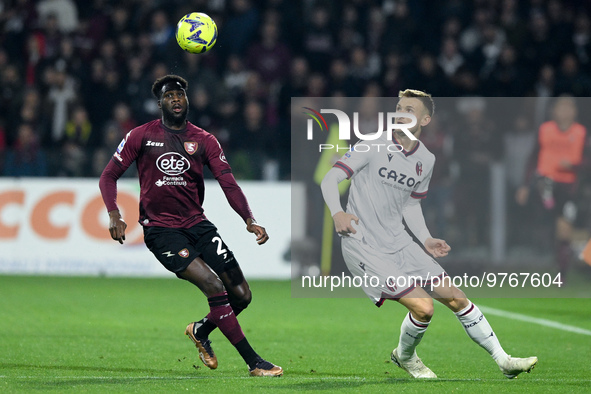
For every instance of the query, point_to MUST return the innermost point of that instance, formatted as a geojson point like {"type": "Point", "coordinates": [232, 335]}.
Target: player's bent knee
{"type": "Point", "coordinates": [426, 314]}
{"type": "Point", "coordinates": [211, 285]}
{"type": "Point", "coordinates": [207, 281]}
{"type": "Point", "coordinates": [243, 300]}
{"type": "Point", "coordinates": [423, 311]}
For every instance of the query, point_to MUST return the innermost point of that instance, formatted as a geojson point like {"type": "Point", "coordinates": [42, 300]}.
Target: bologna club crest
{"type": "Point", "coordinates": [190, 147]}
{"type": "Point", "coordinates": [419, 168]}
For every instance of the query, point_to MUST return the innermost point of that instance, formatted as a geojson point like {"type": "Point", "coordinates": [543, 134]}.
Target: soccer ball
{"type": "Point", "coordinates": [196, 32]}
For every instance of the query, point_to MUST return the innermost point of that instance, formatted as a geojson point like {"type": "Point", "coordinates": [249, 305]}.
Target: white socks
{"type": "Point", "coordinates": [474, 323]}
{"type": "Point", "coordinates": [478, 328]}
{"type": "Point", "coordinates": [411, 333]}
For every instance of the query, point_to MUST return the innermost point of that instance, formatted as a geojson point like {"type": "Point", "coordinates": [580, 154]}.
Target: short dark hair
{"type": "Point", "coordinates": [425, 98]}
{"type": "Point", "coordinates": [160, 82]}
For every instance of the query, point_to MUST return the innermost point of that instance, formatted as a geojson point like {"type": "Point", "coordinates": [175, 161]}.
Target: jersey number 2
{"type": "Point", "coordinates": [220, 249]}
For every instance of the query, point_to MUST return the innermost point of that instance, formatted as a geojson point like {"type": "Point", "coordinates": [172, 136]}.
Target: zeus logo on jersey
{"type": "Point", "coordinates": [154, 143]}
{"type": "Point", "coordinates": [172, 163]}
{"type": "Point", "coordinates": [401, 178]}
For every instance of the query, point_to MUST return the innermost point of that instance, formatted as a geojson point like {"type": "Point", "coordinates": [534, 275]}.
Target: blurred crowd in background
{"type": "Point", "coordinates": [75, 76]}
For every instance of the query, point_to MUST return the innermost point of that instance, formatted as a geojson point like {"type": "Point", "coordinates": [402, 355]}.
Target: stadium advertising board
{"type": "Point", "coordinates": [60, 226]}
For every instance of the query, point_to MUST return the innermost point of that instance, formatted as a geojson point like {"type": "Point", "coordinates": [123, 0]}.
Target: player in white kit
{"type": "Point", "coordinates": [387, 183]}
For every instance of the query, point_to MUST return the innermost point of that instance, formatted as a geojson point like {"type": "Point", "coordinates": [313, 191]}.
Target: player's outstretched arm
{"type": "Point", "coordinates": [259, 231]}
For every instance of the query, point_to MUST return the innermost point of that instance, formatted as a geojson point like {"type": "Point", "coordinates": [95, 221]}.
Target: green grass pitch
{"type": "Point", "coordinates": [71, 334]}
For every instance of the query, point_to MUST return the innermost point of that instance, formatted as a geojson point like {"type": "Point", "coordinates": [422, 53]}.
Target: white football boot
{"type": "Point", "coordinates": [514, 366]}
{"type": "Point", "coordinates": [414, 366]}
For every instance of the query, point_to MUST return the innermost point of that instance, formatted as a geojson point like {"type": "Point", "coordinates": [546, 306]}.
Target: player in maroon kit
{"type": "Point", "coordinates": [170, 154]}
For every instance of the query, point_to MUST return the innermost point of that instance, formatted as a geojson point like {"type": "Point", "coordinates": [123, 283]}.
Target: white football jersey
{"type": "Point", "coordinates": [383, 178]}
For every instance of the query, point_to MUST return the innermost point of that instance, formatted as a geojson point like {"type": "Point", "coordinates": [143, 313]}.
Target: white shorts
{"type": "Point", "coordinates": [398, 273]}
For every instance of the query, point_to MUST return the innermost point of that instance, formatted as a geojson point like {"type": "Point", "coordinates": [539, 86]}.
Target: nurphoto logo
{"type": "Point", "coordinates": [345, 124]}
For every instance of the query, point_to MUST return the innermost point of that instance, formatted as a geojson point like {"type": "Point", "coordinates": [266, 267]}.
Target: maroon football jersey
{"type": "Point", "coordinates": [170, 168]}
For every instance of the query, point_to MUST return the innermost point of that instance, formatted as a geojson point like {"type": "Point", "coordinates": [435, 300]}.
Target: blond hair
{"type": "Point", "coordinates": [425, 98]}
